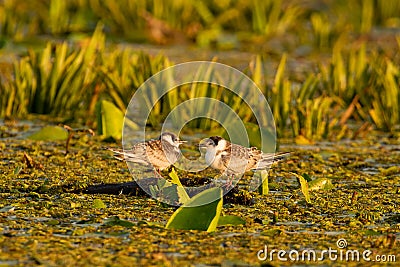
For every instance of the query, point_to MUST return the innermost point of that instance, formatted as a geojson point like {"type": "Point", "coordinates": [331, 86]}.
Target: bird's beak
{"type": "Point", "coordinates": [202, 146]}
{"type": "Point", "coordinates": [181, 142]}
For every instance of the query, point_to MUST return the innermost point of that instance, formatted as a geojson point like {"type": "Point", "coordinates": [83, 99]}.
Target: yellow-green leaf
{"type": "Point", "coordinates": [98, 204]}
{"type": "Point", "coordinates": [183, 196]}
{"type": "Point", "coordinates": [264, 184]}
{"type": "Point", "coordinates": [50, 133]}
{"type": "Point", "coordinates": [230, 220]}
{"type": "Point", "coordinates": [201, 212]}
{"type": "Point", "coordinates": [304, 186]}
{"type": "Point", "coordinates": [111, 120]}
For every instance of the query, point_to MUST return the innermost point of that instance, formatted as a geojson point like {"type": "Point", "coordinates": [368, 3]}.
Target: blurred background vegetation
{"type": "Point", "coordinates": [329, 68]}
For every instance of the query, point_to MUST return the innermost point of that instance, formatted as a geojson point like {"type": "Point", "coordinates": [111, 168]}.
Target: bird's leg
{"type": "Point", "coordinates": [229, 181]}
{"type": "Point", "coordinates": [157, 172]}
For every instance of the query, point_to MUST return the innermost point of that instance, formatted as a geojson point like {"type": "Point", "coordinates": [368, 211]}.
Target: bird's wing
{"type": "Point", "coordinates": [255, 155]}
{"type": "Point", "coordinates": [156, 153]}
{"type": "Point", "coordinates": [236, 159]}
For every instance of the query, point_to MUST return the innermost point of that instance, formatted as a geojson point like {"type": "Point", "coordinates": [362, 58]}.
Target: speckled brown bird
{"type": "Point", "coordinates": [161, 153]}
{"type": "Point", "coordinates": [233, 159]}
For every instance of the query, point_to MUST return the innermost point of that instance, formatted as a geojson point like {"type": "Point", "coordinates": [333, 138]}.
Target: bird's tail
{"type": "Point", "coordinates": [127, 155]}
{"type": "Point", "coordinates": [118, 153]}
{"type": "Point", "coordinates": [269, 158]}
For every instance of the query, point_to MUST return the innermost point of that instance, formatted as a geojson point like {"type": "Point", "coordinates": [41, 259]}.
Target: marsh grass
{"type": "Point", "coordinates": [355, 85]}
{"type": "Point", "coordinates": [62, 81]}
{"type": "Point", "coordinates": [56, 80]}
{"type": "Point", "coordinates": [372, 78]}
{"type": "Point", "coordinates": [202, 22]}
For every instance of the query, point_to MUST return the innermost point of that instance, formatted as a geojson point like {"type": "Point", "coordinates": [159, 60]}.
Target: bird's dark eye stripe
{"type": "Point", "coordinates": [215, 139]}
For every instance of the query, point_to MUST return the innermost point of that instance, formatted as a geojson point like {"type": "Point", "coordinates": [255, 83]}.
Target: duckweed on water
{"type": "Point", "coordinates": [43, 223]}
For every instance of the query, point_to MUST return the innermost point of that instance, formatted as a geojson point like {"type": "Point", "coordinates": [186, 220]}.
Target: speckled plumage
{"type": "Point", "coordinates": [235, 159]}
{"type": "Point", "coordinates": [160, 153]}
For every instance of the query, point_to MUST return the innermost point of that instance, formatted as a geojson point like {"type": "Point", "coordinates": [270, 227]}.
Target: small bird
{"type": "Point", "coordinates": [161, 153]}
{"type": "Point", "coordinates": [233, 159]}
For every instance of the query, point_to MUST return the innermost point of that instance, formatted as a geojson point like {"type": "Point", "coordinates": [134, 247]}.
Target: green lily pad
{"type": "Point", "coordinates": [201, 212]}
{"type": "Point", "coordinates": [50, 133]}
{"type": "Point", "coordinates": [230, 220]}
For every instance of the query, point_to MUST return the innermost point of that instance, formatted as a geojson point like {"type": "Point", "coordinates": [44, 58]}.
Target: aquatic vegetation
{"type": "Point", "coordinates": [275, 17]}
{"type": "Point", "coordinates": [122, 71]}
{"type": "Point", "coordinates": [110, 120]}
{"type": "Point", "coordinates": [368, 82]}
{"type": "Point", "coordinates": [56, 80]}
{"type": "Point", "coordinates": [219, 23]}
{"type": "Point", "coordinates": [50, 133]}
{"type": "Point", "coordinates": [68, 203]}
{"type": "Point", "coordinates": [357, 84]}
{"type": "Point", "coordinates": [67, 82]}
{"type": "Point", "coordinates": [39, 210]}
{"type": "Point", "coordinates": [201, 212]}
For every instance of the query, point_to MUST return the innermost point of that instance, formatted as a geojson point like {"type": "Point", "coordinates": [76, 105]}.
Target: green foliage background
{"type": "Point", "coordinates": [353, 83]}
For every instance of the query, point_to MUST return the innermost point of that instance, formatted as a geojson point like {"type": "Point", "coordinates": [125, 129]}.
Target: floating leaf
{"type": "Point", "coordinates": [304, 186]}
{"type": "Point", "coordinates": [183, 196]}
{"type": "Point", "coordinates": [230, 220]}
{"type": "Point", "coordinates": [98, 204]}
{"type": "Point", "coordinates": [264, 183]}
{"type": "Point", "coordinates": [115, 220]}
{"type": "Point", "coordinates": [271, 232]}
{"type": "Point", "coordinates": [53, 222]}
{"type": "Point", "coordinates": [201, 212]}
{"type": "Point", "coordinates": [50, 133]}
{"type": "Point", "coordinates": [320, 183]}
{"type": "Point", "coordinates": [370, 232]}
